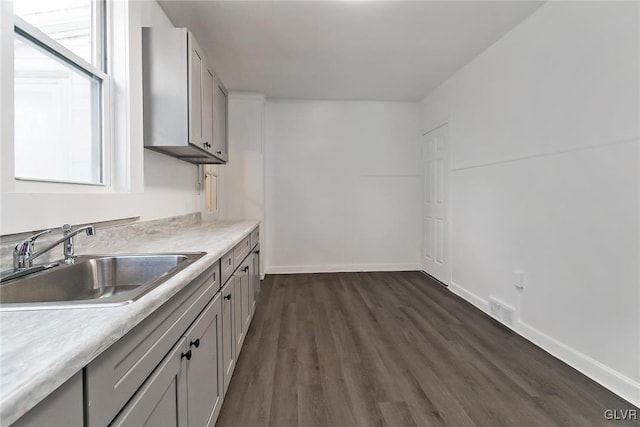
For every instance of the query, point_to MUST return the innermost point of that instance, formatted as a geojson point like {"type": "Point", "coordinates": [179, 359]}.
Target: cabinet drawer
{"type": "Point", "coordinates": [226, 267]}
{"type": "Point", "coordinates": [255, 237]}
{"type": "Point", "coordinates": [241, 250]}
{"type": "Point", "coordinates": [116, 374]}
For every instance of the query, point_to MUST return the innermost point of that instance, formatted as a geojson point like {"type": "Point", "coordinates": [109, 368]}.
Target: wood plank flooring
{"type": "Point", "coordinates": [396, 349]}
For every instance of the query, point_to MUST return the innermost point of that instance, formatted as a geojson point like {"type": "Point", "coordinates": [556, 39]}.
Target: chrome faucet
{"type": "Point", "coordinates": [24, 253]}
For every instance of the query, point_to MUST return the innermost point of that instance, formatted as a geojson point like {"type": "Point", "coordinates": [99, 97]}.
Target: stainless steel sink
{"type": "Point", "coordinates": [93, 281]}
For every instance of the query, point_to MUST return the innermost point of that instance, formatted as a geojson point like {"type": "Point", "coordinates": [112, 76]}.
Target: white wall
{"type": "Point", "coordinates": [242, 178]}
{"type": "Point", "coordinates": [545, 178]}
{"type": "Point", "coordinates": [341, 180]}
{"type": "Point", "coordinates": [147, 184]}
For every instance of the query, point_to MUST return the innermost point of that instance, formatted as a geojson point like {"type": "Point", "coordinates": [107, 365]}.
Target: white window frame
{"type": "Point", "coordinates": [56, 49]}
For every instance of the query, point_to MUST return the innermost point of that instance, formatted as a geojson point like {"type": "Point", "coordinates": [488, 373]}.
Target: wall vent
{"type": "Point", "coordinates": [494, 308]}
{"type": "Point", "coordinates": [501, 311]}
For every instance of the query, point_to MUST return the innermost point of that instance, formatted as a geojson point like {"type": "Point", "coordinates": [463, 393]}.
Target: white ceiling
{"type": "Point", "coordinates": [356, 50]}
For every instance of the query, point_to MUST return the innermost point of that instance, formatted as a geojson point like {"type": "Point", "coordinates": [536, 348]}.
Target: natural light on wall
{"type": "Point", "coordinates": [58, 102]}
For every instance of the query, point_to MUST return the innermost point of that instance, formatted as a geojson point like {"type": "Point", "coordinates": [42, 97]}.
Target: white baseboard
{"type": "Point", "coordinates": [341, 268]}
{"type": "Point", "coordinates": [474, 299]}
{"type": "Point", "coordinates": [613, 380]}
{"type": "Point", "coordinates": [618, 383]}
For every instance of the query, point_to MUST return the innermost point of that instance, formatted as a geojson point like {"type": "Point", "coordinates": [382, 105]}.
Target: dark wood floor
{"type": "Point", "coordinates": [396, 349]}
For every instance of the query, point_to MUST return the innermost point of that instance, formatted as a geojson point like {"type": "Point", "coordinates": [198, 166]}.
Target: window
{"type": "Point", "coordinates": [61, 91]}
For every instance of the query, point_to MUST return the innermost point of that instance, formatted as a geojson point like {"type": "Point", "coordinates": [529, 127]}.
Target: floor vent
{"type": "Point", "coordinates": [501, 311]}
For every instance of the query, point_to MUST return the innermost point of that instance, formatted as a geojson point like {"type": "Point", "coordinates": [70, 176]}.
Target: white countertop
{"type": "Point", "coordinates": [40, 350]}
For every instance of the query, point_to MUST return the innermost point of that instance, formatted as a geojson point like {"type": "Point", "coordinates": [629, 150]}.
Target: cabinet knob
{"type": "Point", "coordinates": [187, 355]}
{"type": "Point", "coordinates": [195, 343]}
{"type": "Point", "coordinates": [256, 252]}
{"type": "Point", "coordinates": [218, 152]}
{"type": "Point", "coordinates": [245, 269]}
{"type": "Point", "coordinates": [227, 296]}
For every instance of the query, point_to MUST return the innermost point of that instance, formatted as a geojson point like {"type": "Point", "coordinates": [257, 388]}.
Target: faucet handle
{"type": "Point", "coordinates": [42, 233]}
{"type": "Point", "coordinates": [26, 246]}
{"type": "Point", "coordinates": [66, 229]}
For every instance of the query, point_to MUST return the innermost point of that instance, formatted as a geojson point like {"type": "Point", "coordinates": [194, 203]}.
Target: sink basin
{"type": "Point", "coordinates": [93, 281]}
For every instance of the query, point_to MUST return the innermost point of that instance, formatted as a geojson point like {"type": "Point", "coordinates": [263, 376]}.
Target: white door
{"type": "Point", "coordinates": [435, 219]}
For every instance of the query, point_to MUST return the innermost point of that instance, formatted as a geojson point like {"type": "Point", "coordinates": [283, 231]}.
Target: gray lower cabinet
{"type": "Point", "coordinates": [186, 389]}
{"type": "Point", "coordinates": [242, 317]}
{"type": "Point", "coordinates": [63, 407]}
{"type": "Point", "coordinates": [238, 305]}
{"type": "Point", "coordinates": [254, 277]}
{"type": "Point", "coordinates": [252, 284]}
{"type": "Point", "coordinates": [247, 297]}
{"type": "Point", "coordinates": [162, 400]}
{"type": "Point", "coordinates": [174, 368]}
{"type": "Point", "coordinates": [228, 331]}
{"type": "Point", "coordinates": [205, 386]}
{"type": "Point", "coordinates": [114, 377]}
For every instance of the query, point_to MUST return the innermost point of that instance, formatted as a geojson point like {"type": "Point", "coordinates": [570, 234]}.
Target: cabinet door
{"type": "Point", "coordinates": [207, 108]}
{"type": "Point", "coordinates": [196, 67]}
{"type": "Point", "coordinates": [247, 295]}
{"type": "Point", "coordinates": [228, 331]}
{"type": "Point", "coordinates": [241, 306]}
{"type": "Point", "coordinates": [255, 276]}
{"type": "Point", "coordinates": [162, 399]}
{"type": "Point", "coordinates": [205, 386]}
{"type": "Point", "coordinates": [252, 283]}
{"type": "Point", "coordinates": [220, 105]}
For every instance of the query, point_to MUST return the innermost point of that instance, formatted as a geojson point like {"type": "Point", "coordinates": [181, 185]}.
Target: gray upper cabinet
{"type": "Point", "coordinates": [185, 104]}
{"type": "Point", "coordinates": [220, 120]}
{"type": "Point", "coordinates": [197, 70]}
{"type": "Point", "coordinates": [208, 82]}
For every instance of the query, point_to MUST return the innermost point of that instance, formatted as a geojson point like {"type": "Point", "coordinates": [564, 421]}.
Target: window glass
{"type": "Point", "coordinates": [57, 118]}
{"type": "Point", "coordinates": [72, 23]}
